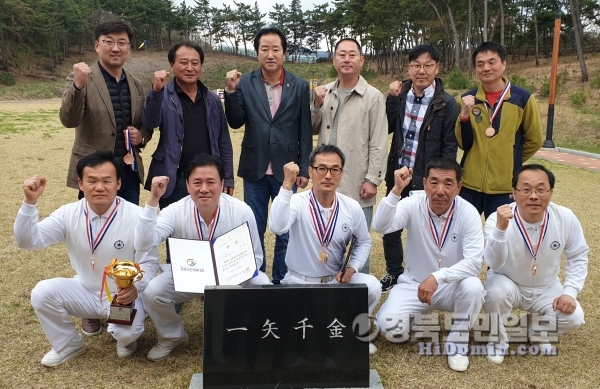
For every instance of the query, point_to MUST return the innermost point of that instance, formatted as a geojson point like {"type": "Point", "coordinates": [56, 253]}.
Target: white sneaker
{"type": "Point", "coordinates": [71, 350]}
{"type": "Point", "coordinates": [126, 351]}
{"type": "Point", "coordinates": [496, 354]}
{"type": "Point", "coordinates": [159, 351]}
{"type": "Point", "coordinates": [372, 348]}
{"type": "Point", "coordinates": [458, 362]}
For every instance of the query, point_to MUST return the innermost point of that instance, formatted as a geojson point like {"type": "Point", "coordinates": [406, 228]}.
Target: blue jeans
{"type": "Point", "coordinates": [257, 194]}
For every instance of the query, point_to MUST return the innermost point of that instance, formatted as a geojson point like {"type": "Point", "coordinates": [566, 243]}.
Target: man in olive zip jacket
{"type": "Point", "coordinates": [422, 117]}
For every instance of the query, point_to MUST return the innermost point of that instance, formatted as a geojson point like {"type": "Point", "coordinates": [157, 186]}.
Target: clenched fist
{"type": "Point", "coordinates": [503, 216]}
{"type": "Point", "coordinates": [467, 103]}
{"type": "Point", "coordinates": [33, 188]}
{"type": "Point", "coordinates": [290, 173]}
{"type": "Point", "coordinates": [81, 73]}
{"type": "Point", "coordinates": [395, 88]}
{"type": "Point", "coordinates": [160, 80]}
{"type": "Point", "coordinates": [157, 189]}
{"type": "Point", "coordinates": [402, 178]}
{"type": "Point", "coordinates": [320, 92]}
{"type": "Point", "coordinates": [233, 78]}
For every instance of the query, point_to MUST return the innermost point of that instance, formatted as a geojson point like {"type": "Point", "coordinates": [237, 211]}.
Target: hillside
{"type": "Point", "coordinates": [577, 120]}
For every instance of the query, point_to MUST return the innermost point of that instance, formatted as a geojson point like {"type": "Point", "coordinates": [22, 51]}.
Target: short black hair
{"type": "Point", "coordinates": [444, 163]}
{"type": "Point", "coordinates": [489, 46]}
{"type": "Point", "coordinates": [113, 26]}
{"type": "Point", "coordinates": [537, 167]}
{"type": "Point", "coordinates": [186, 43]}
{"type": "Point", "coordinates": [419, 50]}
{"type": "Point", "coordinates": [270, 30]}
{"type": "Point", "coordinates": [326, 149]}
{"type": "Point", "coordinates": [347, 39]}
{"type": "Point", "coordinates": [96, 159]}
{"type": "Point", "coordinates": [202, 160]}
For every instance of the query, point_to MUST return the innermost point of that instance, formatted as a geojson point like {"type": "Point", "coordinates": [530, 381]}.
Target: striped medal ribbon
{"type": "Point", "coordinates": [324, 231]}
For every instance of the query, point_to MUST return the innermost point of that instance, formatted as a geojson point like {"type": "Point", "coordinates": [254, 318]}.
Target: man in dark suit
{"type": "Point", "coordinates": [273, 104]}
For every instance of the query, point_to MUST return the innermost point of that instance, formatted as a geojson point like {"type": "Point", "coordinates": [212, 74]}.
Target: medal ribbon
{"type": "Point", "coordinates": [324, 232]}
{"type": "Point", "coordinates": [130, 149]}
{"type": "Point", "coordinates": [521, 226]}
{"type": "Point", "coordinates": [104, 286]}
{"type": "Point", "coordinates": [440, 240]}
{"type": "Point", "coordinates": [94, 242]}
{"type": "Point", "coordinates": [213, 223]}
{"type": "Point", "coordinates": [498, 104]}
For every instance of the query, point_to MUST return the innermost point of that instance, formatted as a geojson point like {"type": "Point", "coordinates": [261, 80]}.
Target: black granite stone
{"type": "Point", "coordinates": [289, 336]}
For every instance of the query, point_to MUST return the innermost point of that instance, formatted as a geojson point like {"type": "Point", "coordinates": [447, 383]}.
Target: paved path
{"type": "Point", "coordinates": [571, 157]}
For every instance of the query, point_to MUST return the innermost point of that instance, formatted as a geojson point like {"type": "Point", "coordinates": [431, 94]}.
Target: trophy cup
{"type": "Point", "coordinates": [124, 273]}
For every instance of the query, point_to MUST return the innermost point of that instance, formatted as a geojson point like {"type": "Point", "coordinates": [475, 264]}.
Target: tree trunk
{"type": "Point", "coordinates": [444, 26]}
{"type": "Point", "coordinates": [501, 23]}
{"type": "Point", "coordinates": [485, 20]}
{"type": "Point", "coordinates": [575, 6]}
{"type": "Point", "coordinates": [469, 39]}
{"type": "Point", "coordinates": [456, 39]}
{"type": "Point", "coordinates": [537, 35]}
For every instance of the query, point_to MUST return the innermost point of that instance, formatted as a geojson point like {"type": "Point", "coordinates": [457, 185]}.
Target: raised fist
{"type": "Point", "coordinates": [320, 92]}
{"type": "Point", "coordinates": [290, 173]}
{"type": "Point", "coordinates": [160, 80]}
{"type": "Point", "coordinates": [467, 103]}
{"type": "Point", "coordinates": [157, 189]}
{"type": "Point", "coordinates": [504, 214]}
{"type": "Point", "coordinates": [233, 78]}
{"type": "Point", "coordinates": [33, 188]}
{"type": "Point", "coordinates": [395, 88]}
{"type": "Point", "coordinates": [402, 178]}
{"type": "Point", "coordinates": [81, 73]}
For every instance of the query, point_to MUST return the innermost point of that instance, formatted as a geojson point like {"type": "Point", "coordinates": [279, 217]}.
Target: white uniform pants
{"type": "Point", "coordinates": [373, 285]}
{"type": "Point", "coordinates": [159, 299]}
{"type": "Point", "coordinates": [56, 299]}
{"type": "Point", "coordinates": [464, 298]}
{"type": "Point", "coordinates": [503, 295]}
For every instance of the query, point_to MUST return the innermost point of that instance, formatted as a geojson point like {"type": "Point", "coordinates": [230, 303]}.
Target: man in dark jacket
{"type": "Point", "coordinates": [422, 116]}
{"type": "Point", "coordinates": [191, 121]}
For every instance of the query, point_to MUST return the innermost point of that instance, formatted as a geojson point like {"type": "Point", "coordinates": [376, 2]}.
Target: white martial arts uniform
{"type": "Point", "coordinates": [177, 221]}
{"type": "Point", "coordinates": [290, 212]}
{"type": "Point", "coordinates": [459, 288]}
{"type": "Point", "coordinates": [57, 298]}
{"type": "Point", "coordinates": [510, 283]}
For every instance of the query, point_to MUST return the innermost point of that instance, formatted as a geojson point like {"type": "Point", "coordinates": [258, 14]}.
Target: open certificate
{"type": "Point", "coordinates": [226, 260]}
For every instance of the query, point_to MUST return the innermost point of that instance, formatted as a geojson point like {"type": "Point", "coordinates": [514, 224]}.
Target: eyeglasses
{"type": "Point", "coordinates": [335, 171]}
{"type": "Point", "coordinates": [109, 43]}
{"type": "Point", "coordinates": [416, 67]}
{"type": "Point", "coordinates": [540, 192]}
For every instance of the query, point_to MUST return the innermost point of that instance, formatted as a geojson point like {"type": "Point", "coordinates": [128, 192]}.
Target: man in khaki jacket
{"type": "Point", "coordinates": [101, 102]}
{"type": "Point", "coordinates": [350, 114]}
{"type": "Point", "coordinates": [104, 105]}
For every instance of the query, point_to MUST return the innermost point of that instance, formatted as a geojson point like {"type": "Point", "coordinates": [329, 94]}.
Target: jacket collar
{"type": "Point", "coordinates": [480, 96]}
{"type": "Point", "coordinates": [360, 87]}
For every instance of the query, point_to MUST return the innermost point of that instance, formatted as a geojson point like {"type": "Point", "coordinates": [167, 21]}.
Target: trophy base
{"type": "Point", "coordinates": [121, 314]}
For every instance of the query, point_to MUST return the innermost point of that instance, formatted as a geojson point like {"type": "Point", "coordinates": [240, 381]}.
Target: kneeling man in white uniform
{"type": "Point", "coordinates": [95, 229]}
{"type": "Point", "coordinates": [321, 223]}
{"type": "Point", "coordinates": [444, 256]}
{"type": "Point", "coordinates": [205, 214]}
{"type": "Point", "coordinates": [525, 241]}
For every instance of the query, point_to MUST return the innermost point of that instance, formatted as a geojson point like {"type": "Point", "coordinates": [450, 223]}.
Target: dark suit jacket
{"type": "Point", "coordinates": [90, 111]}
{"type": "Point", "coordinates": [281, 139]}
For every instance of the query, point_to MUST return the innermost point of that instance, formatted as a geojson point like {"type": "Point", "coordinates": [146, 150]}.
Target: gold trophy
{"type": "Point", "coordinates": [124, 273]}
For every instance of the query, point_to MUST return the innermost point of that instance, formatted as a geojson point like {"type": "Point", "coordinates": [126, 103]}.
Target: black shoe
{"type": "Point", "coordinates": [387, 282]}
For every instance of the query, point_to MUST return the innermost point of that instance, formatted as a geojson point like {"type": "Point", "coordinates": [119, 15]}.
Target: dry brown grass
{"type": "Point", "coordinates": [39, 145]}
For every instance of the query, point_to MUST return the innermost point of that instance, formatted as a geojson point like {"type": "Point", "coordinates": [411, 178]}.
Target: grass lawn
{"type": "Point", "coordinates": [34, 142]}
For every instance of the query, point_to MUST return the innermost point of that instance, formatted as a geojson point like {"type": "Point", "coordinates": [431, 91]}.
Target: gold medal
{"type": "Point", "coordinates": [489, 132]}
{"type": "Point", "coordinates": [323, 256]}
{"type": "Point", "coordinates": [533, 269]}
{"type": "Point", "coordinates": [128, 159]}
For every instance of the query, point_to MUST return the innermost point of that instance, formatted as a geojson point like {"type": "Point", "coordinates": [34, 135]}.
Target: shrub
{"type": "Point", "coordinates": [579, 98]}
{"type": "Point", "coordinates": [331, 72]}
{"type": "Point", "coordinates": [368, 73]}
{"type": "Point", "coordinates": [459, 80]}
{"type": "Point", "coordinates": [7, 79]}
{"type": "Point", "coordinates": [545, 88]}
{"type": "Point", "coordinates": [522, 82]}
{"type": "Point", "coordinates": [595, 83]}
